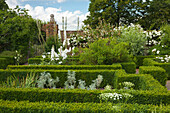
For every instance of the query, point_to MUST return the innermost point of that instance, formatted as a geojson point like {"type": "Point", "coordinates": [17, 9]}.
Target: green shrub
{"type": "Point", "coordinates": [129, 67]}
{"type": "Point", "coordinates": [37, 60]}
{"type": "Point", "coordinates": [109, 76]}
{"type": "Point", "coordinates": [7, 53]}
{"type": "Point", "coordinates": [157, 72]}
{"type": "Point", "coordinates": [151, 62]}
{"type": "Point", "coordinates": [139, 59]}
{"type": "Point", "coordinates": [43, 107]}
{"type": "Point", "coordinates": [142, 82]}
{"type": "Point", "coordinates": [3, 63]}
{"type": "Point", "coordinates": [67, 67]}
{"type": "Point", "coordinates": [105, 52]}
{"type": "Point", "coordinates": [80, 96]}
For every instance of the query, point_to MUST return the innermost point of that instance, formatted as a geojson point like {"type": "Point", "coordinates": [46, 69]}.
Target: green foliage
{"type": "Point", "coordinates": [151, 62]}
{"type": "Point", "coordinates": [50, 42]}
{"type": "Point", "coordinates": [109, 76]}
{"type": "Point", "coordinates": [156, 15]}
{"type": "Point", "coordinates": [142, 82]}
{"type": "Point", "coordinates": [115, 12]}
{"type": "Point", "coordinates": [139, 59]}
{"type": "Point", "coordinates": [3, 63]}
{"type": "Point", "coordinates": [165, 40]}
{"type": "Point", "coordinates": [129, 67]}
{"type": "Point", "coordinates": [28, 82]}
{"type": "Point", "coordinates": [3, 5]}
{"type": "Point", "coordinates": [136, 39]}
{"type": "Point", "coordinates": [7, 53]}
{"type": "Point", "coordinates": [157, 72]}
{"type": "Point", "coordinates": [41, 107]}
{"type": "Point", "coordinates": [67, 67]}
{"type": "Point", "coordinates": [18, 31]}
{"type": "Point", "coordinates": [104, 52]}
{"type": "Point", "coordinates": [37, 60]}
{"type": "Point", "coordinates": [80, 96]}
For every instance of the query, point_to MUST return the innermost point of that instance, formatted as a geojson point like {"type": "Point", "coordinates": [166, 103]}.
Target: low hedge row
{"type": "Point", "coordinates": [43, 107]}
{"type": "Point", "coordinates": [139, 59]}
{"type": "Point", "coordinates": [37, 60]}
{"type": "Point", "coordinates": [5, 61]}
{"type": "Point", "coordinates": [157, 72]}
{"type": "Point", "coordinates": [151, 62]}
{"type": "Point", "coordinates": [142, 82]}
{"type": "Point", "coordinates": [80, 96]}
{"type": "Point", "coordinates": [67, 67]}
{"type": "Point", "coordinates": [109, 76]}
{"type": "Point", "coordinates": [129, 67]}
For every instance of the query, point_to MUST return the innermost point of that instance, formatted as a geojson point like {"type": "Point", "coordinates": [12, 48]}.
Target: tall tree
{"type": "Point", "coordinates": [116, 12]}
{"type": "Point", "coordinates": [157, 14]}
{"type": "Point", "coordinates": [3, 5]}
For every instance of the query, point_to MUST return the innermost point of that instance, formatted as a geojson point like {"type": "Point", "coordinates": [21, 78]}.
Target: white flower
{"type": "Point", "coordinates": [43, 56]}
{"type": "Point", "coordinates": [158, 52]}
{"type": "Point", "coordinates": [153, 50]}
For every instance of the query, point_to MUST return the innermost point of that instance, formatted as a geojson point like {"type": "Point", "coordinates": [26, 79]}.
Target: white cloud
{"type": "Point", "coordinates": [59, 1]}
{"type": "Point", "coordinates": [12, 3]}
{"type": "Point", "coordinates": [43, 14]}
{"type": "Point", "coordinates": [39, 12]}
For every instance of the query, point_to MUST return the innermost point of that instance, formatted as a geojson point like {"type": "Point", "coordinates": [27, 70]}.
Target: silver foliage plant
{"type": "Point", "coordinates": [46, 81]}
{"type": "Point", "coordinates": [71, 80]}
{"type": "Point", "coordinates": [96, 83]}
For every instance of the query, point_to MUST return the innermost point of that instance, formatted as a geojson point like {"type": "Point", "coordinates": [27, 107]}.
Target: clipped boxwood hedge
{"type": "Point", "coordinates": [43, 107]}
{"type": "Point", "coordinates": [157, 72]}
{"type": "Point", "coordinates": [151, 62]}
{"type": "Point", "coordinates": [139, 59]}
{"type": "Point", "coordinates": [67, 67]}
{"type": "Point", "coordinates": [3, 63]}
{"type": "Point", "coordinates": [129, 67]}
{"type": "Point", "coordinates": [142, 82]}
{"type": "Point", "coordinates": [80, 96]}
{"type": "Point", "coordinates": [37, 60]}
{"type": "Point", "coordinates": [109, 76]}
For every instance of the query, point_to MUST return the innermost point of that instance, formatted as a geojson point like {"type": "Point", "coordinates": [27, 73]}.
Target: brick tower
{"type": "Point", "coordinates": [51, 28]}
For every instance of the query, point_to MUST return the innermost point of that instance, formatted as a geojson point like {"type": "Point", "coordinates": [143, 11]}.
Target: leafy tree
{"type": "Point", "coordinates": [116, 12]}
{"type": "Point", "coordinates": [3, 5]}
{"type": "Point", "coordinates": [18, 31]}
{"type": "Point", "coordinates": [157, 14]}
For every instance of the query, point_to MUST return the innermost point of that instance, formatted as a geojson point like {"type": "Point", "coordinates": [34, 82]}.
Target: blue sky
{"type": "Point", "coordinates": [41, 9]}
{"type": "Point", "coordinates": [70, 5]}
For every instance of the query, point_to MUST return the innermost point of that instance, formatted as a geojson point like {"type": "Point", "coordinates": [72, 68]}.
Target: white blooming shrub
{"type": "Point", "coordinates": [110, 96]}
{"type": "Point", "coordinates": [126, 85]}
{"type": "Point", "coordinates": [165, 59]}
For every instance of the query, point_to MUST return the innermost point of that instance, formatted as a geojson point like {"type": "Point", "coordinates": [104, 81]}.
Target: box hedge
{"type": "Point", "coordinates": [157, 72]}
{"type": "Point", "coordinates": [67, 67]}
{"type": "Point", "coordinates": [43, 107]}
{"type": "Point", "coordinates": [129, 67]}
{"type": "Point", "coordinates": [139, 59]}
{"type": "Point", "coordinates": [142, 82]}
{"type": "Point", "coordinates": [151, 62]}
{"type": "Point", "coordinates": [3, 63]}
{"type": "Point", "coordinates": [80, 96]}
{"type": "Point", "coordinates": [37, 60]}
{"type": "Point", "coordinates": [109, 76]}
